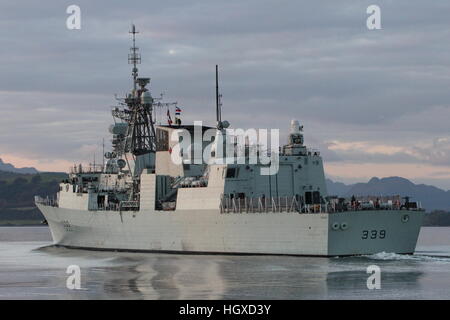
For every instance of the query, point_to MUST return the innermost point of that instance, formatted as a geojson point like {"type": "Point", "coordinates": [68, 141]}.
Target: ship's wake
{"type": "Point", "coordinates": [418, 256]}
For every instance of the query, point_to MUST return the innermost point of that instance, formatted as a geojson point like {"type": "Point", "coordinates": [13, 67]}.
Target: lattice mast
{"type": "Point", "coordinates": [140, 106]}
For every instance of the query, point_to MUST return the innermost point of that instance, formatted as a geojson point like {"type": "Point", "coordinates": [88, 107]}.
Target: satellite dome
{"type": "Point", "coordinates": [225, 124]}
{"type": "Point", "coordinates": [118, 128]}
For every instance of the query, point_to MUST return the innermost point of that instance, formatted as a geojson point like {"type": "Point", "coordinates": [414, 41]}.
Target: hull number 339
{"type": "Point", "coordinates": [373, 234]}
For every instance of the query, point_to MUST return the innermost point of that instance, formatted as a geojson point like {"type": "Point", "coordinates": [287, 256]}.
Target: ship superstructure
{"type": "Point", "coordinates": [141, 199]}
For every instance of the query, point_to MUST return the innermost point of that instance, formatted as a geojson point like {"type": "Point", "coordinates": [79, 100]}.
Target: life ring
{"type": "Point", "coordinates": [405, 218]}
{"type": "Point", "coordinates": [335, 226]}
{"type": "Point", "coordinates": [344, 226]}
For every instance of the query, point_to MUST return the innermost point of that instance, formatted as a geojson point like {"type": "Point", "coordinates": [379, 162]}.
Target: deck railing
{"type": "Point", "coordinates": [266, 205]}
{"type": "Point", "coordinates": [292, 204]}
{"type": "Point", "coordinates": [46, 201]}
{"type": "Point", "coordinates": [91, 168]}
{"type": "Point", "coordinates": [126, 205]}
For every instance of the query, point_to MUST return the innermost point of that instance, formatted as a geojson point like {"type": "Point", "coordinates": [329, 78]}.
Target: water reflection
{"type": "Point", "coordinates": [149, 276]}
{"type": "Point", "coordinates": [167, 276]}
{"type": "Point", "coordinates": [351, 281]}
{"type": "Point", "coordinates": [32, 271]}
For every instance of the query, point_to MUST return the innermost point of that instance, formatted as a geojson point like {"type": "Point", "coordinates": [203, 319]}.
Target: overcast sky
{"type": "Point", "coordinates": [375, 102]}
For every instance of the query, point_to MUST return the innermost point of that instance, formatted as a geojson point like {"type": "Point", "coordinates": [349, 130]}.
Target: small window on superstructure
{"type": "Point", "coordinates": [231, 173]}
{"type": "Point", "coordinates": [308, 197]}
{"type": "Point", "coordinates": [316, 197]}
{"type": "Point", "coordinates": [162, 140]}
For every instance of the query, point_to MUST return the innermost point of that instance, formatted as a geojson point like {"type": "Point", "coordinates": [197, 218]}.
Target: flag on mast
{"type": "Point", "coordinates": [169, 119]}
{"type": "Point", "coordinates": [177, 111]}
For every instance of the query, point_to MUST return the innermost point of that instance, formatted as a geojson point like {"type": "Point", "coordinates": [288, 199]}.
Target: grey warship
{"type": "Point", "coordinates": [142, 200]}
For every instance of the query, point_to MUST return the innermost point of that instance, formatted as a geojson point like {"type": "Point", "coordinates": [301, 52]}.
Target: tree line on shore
{"type": "Point", "coordinates": [17, 193]}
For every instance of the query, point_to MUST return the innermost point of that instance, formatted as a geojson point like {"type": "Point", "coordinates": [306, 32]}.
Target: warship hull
{"type": "Point", "coordinates": [209, 231]}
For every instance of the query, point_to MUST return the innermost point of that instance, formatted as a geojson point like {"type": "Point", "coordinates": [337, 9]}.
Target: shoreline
{"type": "Point", "coordinates": [19, 223]}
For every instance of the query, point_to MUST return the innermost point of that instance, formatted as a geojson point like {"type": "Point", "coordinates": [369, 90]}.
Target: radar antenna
{"type": "Point", "coordinates": [134, 57]}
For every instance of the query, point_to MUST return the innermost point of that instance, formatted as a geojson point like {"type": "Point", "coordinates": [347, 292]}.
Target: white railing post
{"type": "Point", "coordinates": [260, 205]}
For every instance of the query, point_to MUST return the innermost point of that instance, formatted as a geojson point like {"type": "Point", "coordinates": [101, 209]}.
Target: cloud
{"type": "Point", "coordinates": [435, 152]}
{"type": "Point", "coordinates": [438, 153]}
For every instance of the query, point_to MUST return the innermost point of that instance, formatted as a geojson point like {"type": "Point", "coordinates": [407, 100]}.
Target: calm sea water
{"type": "Point", "coordinates": [29, 270]}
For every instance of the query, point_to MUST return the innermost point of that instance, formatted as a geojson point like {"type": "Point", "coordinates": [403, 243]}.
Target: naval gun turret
{"type": "Point", "coordinates": [295, 140]}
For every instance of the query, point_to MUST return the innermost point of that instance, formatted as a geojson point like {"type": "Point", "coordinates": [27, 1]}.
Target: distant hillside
{"type": "Point", "coordinates": [337, 188]}
{"type": "Point", "coordinates": [437, 218]}
{"type": "Point", "coordinates": [44, 176]}
{"type": "Point", "coordinates": [10, 168]}
{"type": "Point", "coordinates": [432, 198]}
{"type": "Point", "coordinates": [17, 193]}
